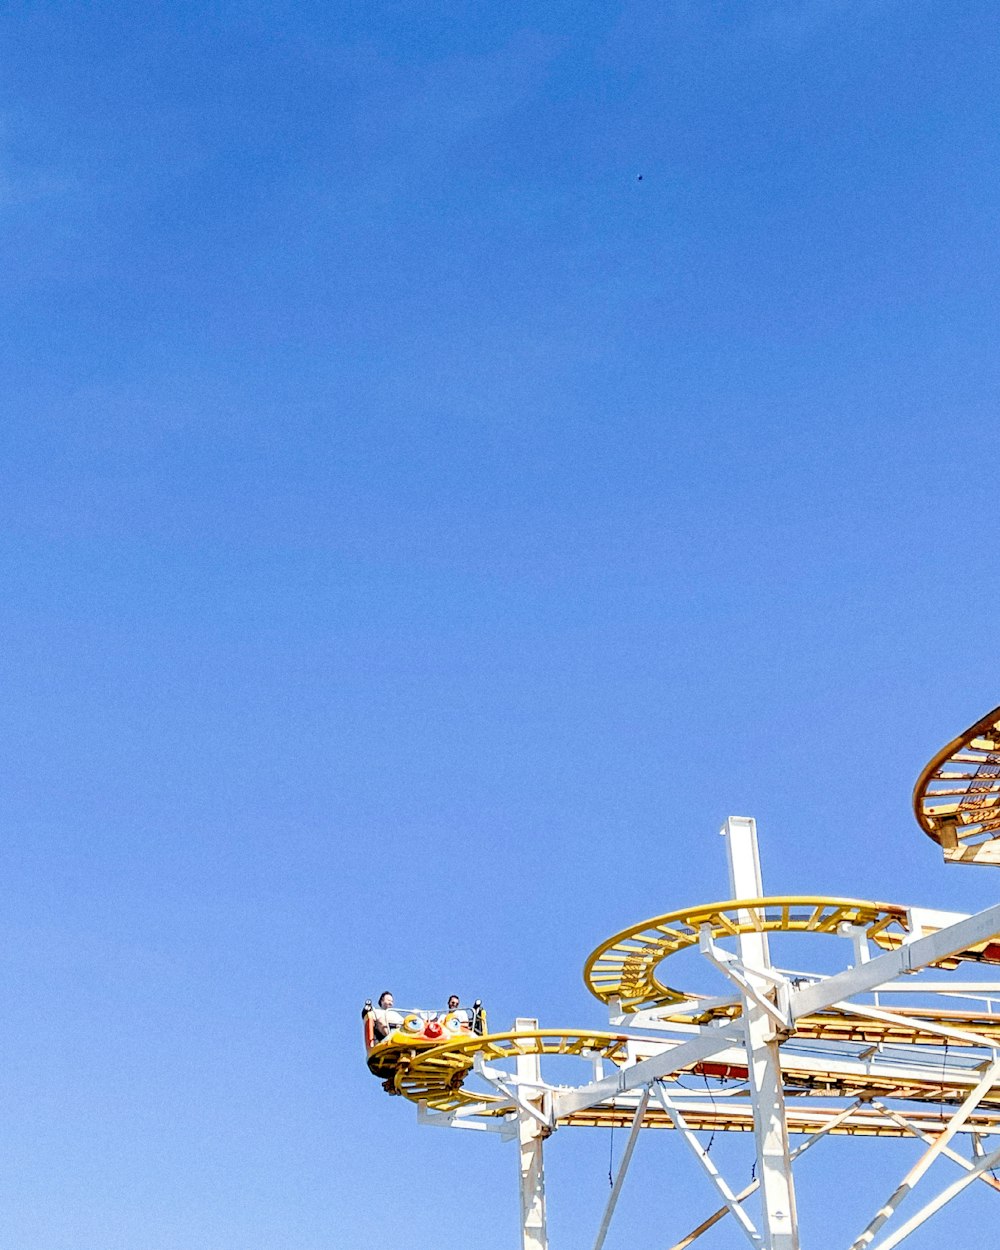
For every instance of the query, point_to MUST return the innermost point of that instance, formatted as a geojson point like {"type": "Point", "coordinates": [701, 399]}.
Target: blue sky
{"type": "Point", "coordinates": [419, 532]}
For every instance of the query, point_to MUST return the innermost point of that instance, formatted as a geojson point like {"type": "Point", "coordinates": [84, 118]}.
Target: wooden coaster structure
{"type": "Point", "coordinates": [783, 1053]}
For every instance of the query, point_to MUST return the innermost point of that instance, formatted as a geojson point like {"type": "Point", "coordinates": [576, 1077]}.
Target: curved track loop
{"type": "Point", "coordinates": [435, 1076]}
{"type": "Point", "coordinates": [957, 802]}
{"type": "Point", "coordinates": [957, 797]}
{"type": "Point", "coordinates": [624, 966]}
{"type": "Point", "coordinates": [430, 1075]}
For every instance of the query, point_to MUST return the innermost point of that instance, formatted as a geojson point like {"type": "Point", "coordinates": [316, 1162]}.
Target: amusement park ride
{"type": "Point", "coordinates": [882, 1048]}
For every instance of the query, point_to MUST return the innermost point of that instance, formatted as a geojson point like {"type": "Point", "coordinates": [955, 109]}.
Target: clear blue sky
{"type": "Point", "coordinates": [419, 533]}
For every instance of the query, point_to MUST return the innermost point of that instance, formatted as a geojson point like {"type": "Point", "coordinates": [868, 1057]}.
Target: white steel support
{"type": "Point", "coordinates": [943, 1198]}
{"type": "Point", "coordinates": [733, 968]}
{"type": "Point", "coordinates": [774, 1166]}
{"type": "Point", "coordinates": [523, 1103]}
{"type": "Point", "coordinates": [936, 1148]}
{"type": "Point", "coordinates": [530, 1135]}
{"type": "Point", "coordinates": [971, 931]}
{"type": "Point", "coordinates": [962, 1036]}
{"type": "Point", "coordinates": [467, 1119]}
{"type": "Point", "coordinates": [923, 1136]}
{"type": "Point", "coordinates": [616, 1188]}
{"type": "Point", "coordinates": [706, 1042]}
{"type": "Point", "coordinates": [754, 1185]}
{"type": "Point", "coordinates": [945, 1094]}
{"type": "Point", "coordinates": [730, 1199]}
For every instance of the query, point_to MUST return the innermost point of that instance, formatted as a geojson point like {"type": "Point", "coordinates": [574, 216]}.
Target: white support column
{"type": "Point", "coordinates": [774, 1167]}
{"type": "Point", "coordinates": [530, 1135]}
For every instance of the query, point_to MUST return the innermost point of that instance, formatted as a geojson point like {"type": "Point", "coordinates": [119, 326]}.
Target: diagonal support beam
{"type": "Point", "coordinates": [507, 1085]}
{"type": "Point", "coordinates": [707, 1042]}
{"type": "Point", "coordinates": [951, 940]}
{"type": "Point", "coordinates": [711, 1171]}
{"type": "Point", "coordinates": [754, 1185]}
{"type": "Point", "coordinates": [944, 1197]}
{"type": "Point", "coordinates": [962, 1036]}
{"type": "Point", "coordinates": [929, 1138]}
{"type": "Point", "coordinates": [919, 1169]}
{"type": "Point", "coordinates": [737, 972]}
{"type": "Point", "coordinates": [616, 1188]}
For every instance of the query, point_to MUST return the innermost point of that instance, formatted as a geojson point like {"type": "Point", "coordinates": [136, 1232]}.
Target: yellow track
{"type": "Point", "coordinates": [434, 1078]}
{"type": "Point", "coordinates": [430, 1075]}
{"type": "Point", "coordinates": [957, 802]}
{"type": "Point", "coordinates": [957, 797]}
{"type": "Point", "coordinates": [865, 1122]}
{"type": "Point", "coordinates": [624, 966]}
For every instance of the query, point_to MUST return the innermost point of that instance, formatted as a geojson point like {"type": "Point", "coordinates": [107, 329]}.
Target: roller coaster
{"type": "Point", "coordinates": [890, 1044]}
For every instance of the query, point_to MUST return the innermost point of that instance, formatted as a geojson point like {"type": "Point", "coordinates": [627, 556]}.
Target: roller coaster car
{"type": "Point", "coordinates": [410, 1031]}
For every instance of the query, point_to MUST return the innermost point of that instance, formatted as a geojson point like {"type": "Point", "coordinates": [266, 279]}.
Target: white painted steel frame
{"type": "Point", "coordinates": [933, 1151]}
{"type": "Point", "coordinates": [706, 1042]}
{"type": "Point", "coordinates": [754, 1185]}
{"type": "Point", "coordinates": [924, 1136]}
{"type": "Point", "coordinates": [771, 1003]}
{"type": "Point", "coordinates": [968, 932]}
{"type": "Point", "coordinates": [728, 1196]}
{"type": "Point", "coordinates": [616, 1188]}
{"type": "Point", "coordinates": [944, 1197]}
{"type": "Point", "coordinates": [774, 1165]}
{"type": "Point", "coordinates": [530, 1135]}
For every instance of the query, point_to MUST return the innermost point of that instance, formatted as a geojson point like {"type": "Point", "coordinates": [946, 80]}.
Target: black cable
{"type": "Point", "coordinates": [611, 1157]}
{"type": "Point", "coordinates": [708, 1148]}
{"type": "Point", "coordinates": [944, 1069]}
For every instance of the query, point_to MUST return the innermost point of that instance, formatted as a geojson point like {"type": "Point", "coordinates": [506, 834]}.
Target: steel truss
{"type": "Point", "coordinates": [922, 1060]}
{"type": "Point", "coordinates": [786, 1054]}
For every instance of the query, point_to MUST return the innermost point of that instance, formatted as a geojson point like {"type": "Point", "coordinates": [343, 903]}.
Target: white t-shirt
{"type": "Point", "coordinates": [388, 1019]}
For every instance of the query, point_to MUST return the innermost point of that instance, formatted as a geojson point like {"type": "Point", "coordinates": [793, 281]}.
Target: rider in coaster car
{"type": "Point", "coordinates": [386, 1019]}
{"type": "Point", "coordinates": [471, 1016]}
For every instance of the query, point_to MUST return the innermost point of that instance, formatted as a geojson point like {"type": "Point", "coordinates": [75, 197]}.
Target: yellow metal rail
{"type": "Point", "coordinates": [624, 967]}
{"type": "Point", "coordinates": [957, 797]}
{"type": "Point", "coordinates": [957, 803]}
